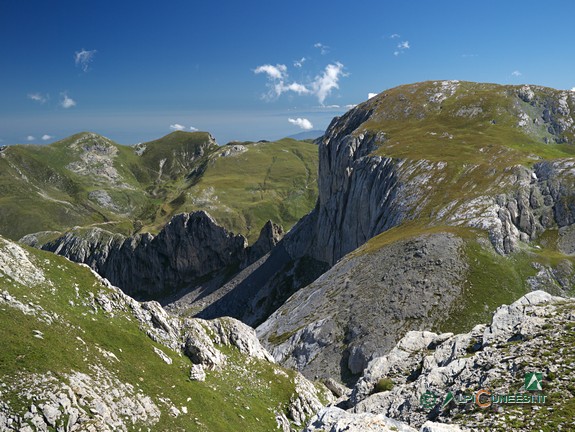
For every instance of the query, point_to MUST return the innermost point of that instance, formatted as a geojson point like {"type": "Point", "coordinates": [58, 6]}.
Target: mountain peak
{"type": "Point", "coordinates": [466, 121]}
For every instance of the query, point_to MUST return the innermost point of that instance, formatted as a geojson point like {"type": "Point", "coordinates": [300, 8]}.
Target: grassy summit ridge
{"type": "Point", "coordinates": [87, 179]}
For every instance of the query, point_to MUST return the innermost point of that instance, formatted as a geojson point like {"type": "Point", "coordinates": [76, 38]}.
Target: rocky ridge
{"type": "Point", "coordinates": [97, 384]}
{"type": "Point", "coordinates": [190, 249]}
{"type": "Point", "coordinates": [534, 334]}
{"type": "Point", "coordinates": [531, 335]}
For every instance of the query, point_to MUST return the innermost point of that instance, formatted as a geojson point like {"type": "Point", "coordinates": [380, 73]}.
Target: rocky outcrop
{"type": "Point", "coordinates": [539, 199]}
{"type": "Point", "coordinates": [270, 235]}
{"type": "Point", "coordinates": [337, 420]}
{"type": "Point", "coordinates": [360, 307]}
{"type": "Point", "coordinates": [190, 249]}
{"type": "Point", "coordinates": [531, 335]}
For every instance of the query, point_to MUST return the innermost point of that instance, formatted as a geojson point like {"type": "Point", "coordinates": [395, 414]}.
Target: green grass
{"type": "Point", "coordinates": [492, 280]}
{"type": "Point", "coordinates": [276, 180]}
{"type": "Point", "coordinates": [218, 404]}
{"type": "Point", "coordinates": [270, 181]}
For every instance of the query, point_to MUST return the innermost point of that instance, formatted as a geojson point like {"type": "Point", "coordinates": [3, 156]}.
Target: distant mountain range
{"type": "Point", "coordinates": [312, 134]}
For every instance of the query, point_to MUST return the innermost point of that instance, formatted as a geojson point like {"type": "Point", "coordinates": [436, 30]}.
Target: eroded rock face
{"type": "Point", "coordinates": [360, 307]}
{"type": "Point", "coordinates": [190, 248]}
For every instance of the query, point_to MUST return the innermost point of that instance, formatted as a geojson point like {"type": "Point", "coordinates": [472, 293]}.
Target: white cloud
{"type": "Point", "coordinates": [38, 97]}
{"type": "Point", "coordinates": [323, 49]}
{"type": "Point", "coordinates": [516, 73]}
{"type": "Point", "coordinates": [394, 36]}
{"type": "Point", "coordinates": [83, 58]}
{"type": "Point", "coordinates": [46, 137]}
{"type": "Point", "coordinates": [350, 106]}
{"type": "Point", "coordinates": [277, 72]}
{"type": "Point", "coordinates": [30, 138]}
{"type": "Point", "coordinates": [321, 86]}
{"type": "Point", "coordinates": [334, 106]}
{"type": "Point", "coordinates": [329, 80]}
{"type": "Point", "coordinates": [297, 88]}
{"type": "Point", "coordinates": [370, 95]}
{"type": "Point", "coordinates": [303, 123]}
{"type": "Point", "coordinates": [401, 47]}
{"type": "Point", "coordinates": [66, 101]}
{"type": "Point", "coordinates": [193, 129]}
{"type": "Point", "coordinates": [299, 63]}
{"type": "Point", "coordinates": [177, 127]}
{"type": "Point", "coordinates": [276, 76]}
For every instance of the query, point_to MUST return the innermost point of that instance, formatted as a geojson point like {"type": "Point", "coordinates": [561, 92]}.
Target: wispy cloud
{"type": "Point", "coordinates": [177, 127]}
{"type": "Point", "coordinates": [30, 138]}
{"type": "Point", "coordinates": [38, 97]}
{"type": "Point", "coordinates": [277, 76]}
{"type": "Point", "coordinates": [326, 82]}
{"type": "Point", "coordinates": [323, 49]}
{"type": "Point", "coordinates": [299, 63]}
{"type": "Point", "coordinates": [303, 123]}
{"type": "Point", "coordinates": [46, 137]}
{"type": "Point", "coordinates": [193, 129]}
{"type": "Point", "coordinates": [401, 48]}
{"type": "Point", "coordinates": [394, 36]}
{"type": "Point", "coordinates": [370, 95]}
{"type": "Point", "coordinates": [516, 73]}
{"type": "Point", "coordinates": [277, 72]}
{"type": "Point", "coordinates": [66, 101]}
{"type": "Point", "coordinates": [83, 58]}
{"type": "Point", "coordinates": [350, 106]}
{"type": "Point", "coordinates": [321, 86]}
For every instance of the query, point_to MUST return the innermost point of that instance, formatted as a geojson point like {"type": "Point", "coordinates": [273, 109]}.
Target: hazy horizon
{"type": "Point", "coordinates": [249, 71]}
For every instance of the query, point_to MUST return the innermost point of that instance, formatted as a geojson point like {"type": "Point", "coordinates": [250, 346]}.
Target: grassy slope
{"type": "Point", "coordinates": [477, 151]}
{"type": "Point", "coordinates": [276, 181]}
{"type": "Point", "coordinates": [178, 173]}
{"type": "Point", "coordinates": [218, 404]}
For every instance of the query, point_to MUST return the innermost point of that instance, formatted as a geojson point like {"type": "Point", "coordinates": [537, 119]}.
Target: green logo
{"type": "Point", "coordinates": [447, 399]}
{"type": "Point", "coordinates": [533, 381]}
{"type": "Point", "coordinates": [428, 399]}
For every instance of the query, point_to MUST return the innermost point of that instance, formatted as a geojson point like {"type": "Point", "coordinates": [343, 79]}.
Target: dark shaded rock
{"type": "Point", "coordinates": [190, 248]}
{"type": "Point", "coordinates": [269, 236]}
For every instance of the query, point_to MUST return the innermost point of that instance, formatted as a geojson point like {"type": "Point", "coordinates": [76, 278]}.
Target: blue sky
{"type": "Point", "coordinates": [135, 71]}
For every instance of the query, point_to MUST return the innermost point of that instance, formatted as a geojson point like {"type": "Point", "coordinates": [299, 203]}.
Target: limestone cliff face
{"type": "Point", "coordinates": [190, 248]}
{"type": "Point", "coordinates": [367, 185]}
{"type": "Point", "coordinates": [441, 153]}
{"type": "Point", "coordinates": [375, 174]}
